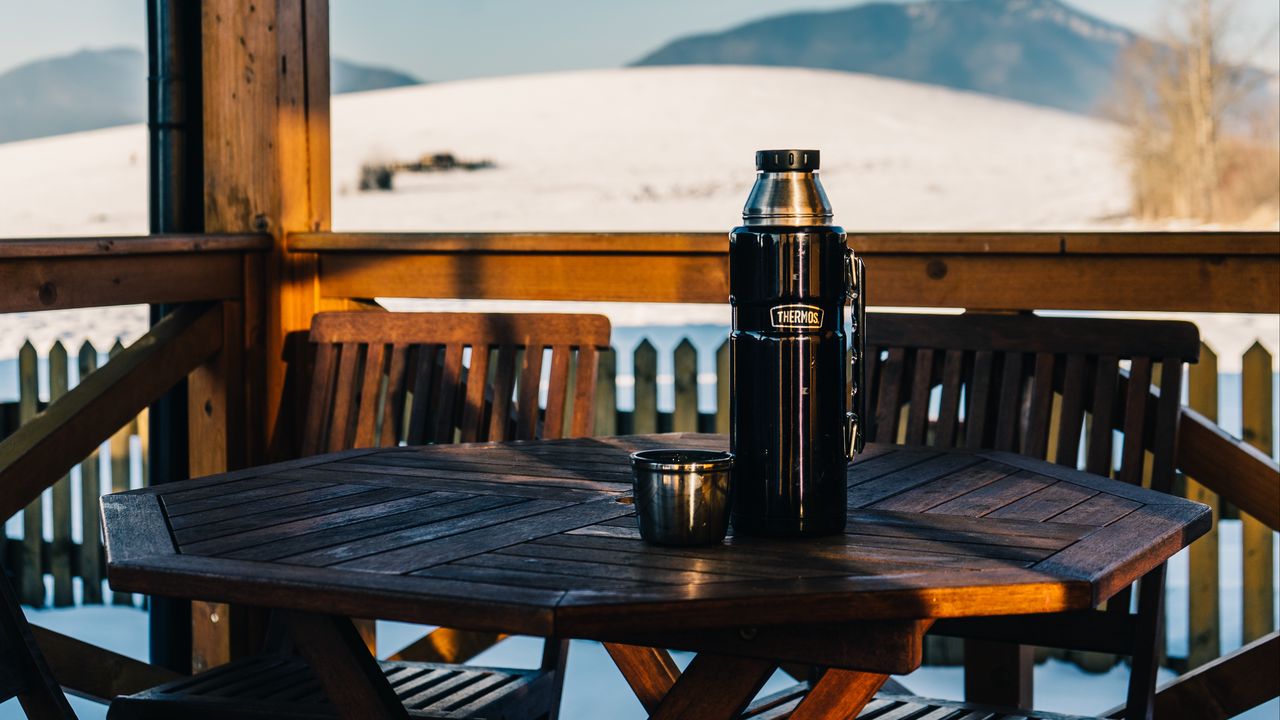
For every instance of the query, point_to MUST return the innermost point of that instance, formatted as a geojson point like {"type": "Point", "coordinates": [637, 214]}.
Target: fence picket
{"type": "Point", "coordinates": [722, 388]}
{"type": "Point", "coordinates": [91, 532]}
{"type": "Point", "coordinates": [31, 580]}
{"type": "Point", "coordinates": [119, 451]}
{"type": "Point", "coordinates": [1203, 641]}
{"type": "Point", "coordinates": [60, 549]}
{"type": "Point", "coordinates": [686, 387]}
{"type": "Point", "coordinates": [645, 371]}
{"type": "Point", "coordinates": [1258, 555]}
{"type": "Point", "coordinates": [607, 393]}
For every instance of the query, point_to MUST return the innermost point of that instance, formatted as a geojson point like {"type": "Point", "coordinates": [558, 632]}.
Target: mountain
{"type": "Point", "coordinates": [346, 77]}
{"type": "Point", "coordinates": [1037, 51]}
{"type": "Point", "coordinates": [93, 89]}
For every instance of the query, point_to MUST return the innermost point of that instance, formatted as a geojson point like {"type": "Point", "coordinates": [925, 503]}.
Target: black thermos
{"type": "Point", "coordinates": [794, 417]}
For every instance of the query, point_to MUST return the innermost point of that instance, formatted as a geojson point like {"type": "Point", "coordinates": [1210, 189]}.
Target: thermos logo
{"type": "Point", "coordinates": [796, 316]}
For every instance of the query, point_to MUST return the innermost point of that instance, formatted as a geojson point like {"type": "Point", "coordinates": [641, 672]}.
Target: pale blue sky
{"type": "Point", "coordinates": [451, 39]}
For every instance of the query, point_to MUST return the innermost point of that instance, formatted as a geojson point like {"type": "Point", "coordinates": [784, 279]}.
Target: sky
{"type": "Point", "coordinates": [455, 39]}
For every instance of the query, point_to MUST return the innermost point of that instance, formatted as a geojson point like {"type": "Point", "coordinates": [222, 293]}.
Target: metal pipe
{"type": "Point", "coordinates": [176, 185]}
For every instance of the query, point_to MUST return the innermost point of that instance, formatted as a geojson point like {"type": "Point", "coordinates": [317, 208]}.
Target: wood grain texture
{"type": "Point", "coordinates": [534, 541]}
{"type": "Point", "coordinates": [530, 267]}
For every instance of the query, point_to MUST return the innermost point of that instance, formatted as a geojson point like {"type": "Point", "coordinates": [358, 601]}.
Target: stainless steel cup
{"type": "Point", "coordinates": [682, 496]}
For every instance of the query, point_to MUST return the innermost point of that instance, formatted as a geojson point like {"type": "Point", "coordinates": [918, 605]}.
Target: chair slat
{"type": "Point", "coordinates": [1039, 407]}
{"type": "Point", "coordinates": [370, 396]}
{"type": "Point", "coordinates": [1164, 447]}
{"type": "Point", "coordinates": [450, 379]}
{"type": "Point", "coordinates": [527, 403]}
{"type": "Point", "coordinates": [318, 403]}
{"type": "Point", "coordinates": [503, 387]}
{"type": "Point", "coordinates": [393, 417]}
{"type": "Point", "coordinates": [1008, 402]}
{"type": "Point", "coordinates": [477, 382]}
{"type": "Point", "coordinates": [1135, 411]}
{"type": "Point", "coordinates": [424, 369]}
{"type": "Point", "coordinates": [340, 417]}
{"type": "Point", "coordinates": [921, 385]}
{"type": "Point", "coordinates": [1071, 416]}
{"type": "Point", "coordinates": [890, 396]}
{"type": "Point", "coordinates": [553, 423]}
{"type": "Point", "coordinates": [1098, 459]}
{"type": "Point", "coordinates": [949, 406]}
{"type": "Point", "coordinates": [977, 417]}
{"type": "Point", "coordinates": [584, 386]}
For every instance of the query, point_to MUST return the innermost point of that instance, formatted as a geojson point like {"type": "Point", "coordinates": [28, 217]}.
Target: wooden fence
{"type": "Point", "coordinates": [32, 558]}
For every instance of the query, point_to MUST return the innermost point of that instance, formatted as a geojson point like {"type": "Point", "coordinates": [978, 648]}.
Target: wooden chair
{"type": "Point", "coordinates": [1049, 388]}
{"type": "Point", "coordinates": [24, 674]}
{"type": "Point", "coordinates": [381, 379]}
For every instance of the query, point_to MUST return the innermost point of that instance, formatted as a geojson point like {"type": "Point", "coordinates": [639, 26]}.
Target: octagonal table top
{"type": "Point", "coordinates": [538, 538]}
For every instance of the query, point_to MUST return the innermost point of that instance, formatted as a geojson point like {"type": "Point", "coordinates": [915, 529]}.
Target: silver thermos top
{"type": "Point", "coordinates": [787, 192]}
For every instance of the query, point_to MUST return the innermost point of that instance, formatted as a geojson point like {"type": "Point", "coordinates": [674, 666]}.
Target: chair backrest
{"type": "Point", "coordinates": [24, 674]}
{"type": "Point", "coordinates": [1033, 385]}
{"type": "Point", "coordinates": [382, 378]}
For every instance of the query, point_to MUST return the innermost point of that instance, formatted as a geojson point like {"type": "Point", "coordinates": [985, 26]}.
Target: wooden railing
{"type": "Point", "coordinates": [213, 344]}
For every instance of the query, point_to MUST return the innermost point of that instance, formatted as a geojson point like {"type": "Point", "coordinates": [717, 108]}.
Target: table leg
{"type": "Point", "coordinates": [839, 695]}
{"type": "Point", "coordinates": [350, 676]}
{"type": "Point", "coordinates": [714, 687]}
{"type": "Point", "coordinates": [649, 671]}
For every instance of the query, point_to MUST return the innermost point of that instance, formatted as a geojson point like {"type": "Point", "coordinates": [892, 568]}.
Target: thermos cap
{"type": "Point", "coordinates": [787, 191]}
{"type": "Point", "coordinates": [787, 160]}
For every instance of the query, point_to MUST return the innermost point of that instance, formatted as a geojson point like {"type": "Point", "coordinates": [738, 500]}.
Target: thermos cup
{"type": "Point", "coordinates": [795, 404]}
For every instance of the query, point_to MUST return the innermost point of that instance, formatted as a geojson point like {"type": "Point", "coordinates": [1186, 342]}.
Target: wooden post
{"type": "Point", "coordinates": [119, 451]}
{"type": "Point", "coordinates": [90, 490]}
{"type": "Point", "coordinates": [722, 388]}
{"type": "Point", "coordinates": [644, 371]}
{"type": "Point", "coordinates": [607, 393]}
{"type": "Point", "coordinates": [685, 418]}
{"type": "Point", "coordinates": [1255, 401]}
{"type": "Point", "coordinates": [265, 99]}
{"type": "Point", "coordinates": [60, 550]}
{"type": "Point", "coordinates": [1203, 641]}
{"type": "Point", "coordinates": [31, 582]}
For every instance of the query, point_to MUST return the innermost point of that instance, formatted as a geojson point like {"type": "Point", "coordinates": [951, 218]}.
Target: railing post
{"type": "Point", "coordinates": [265, 96]}
{"type": "Point", "coordinates": [1203, 641]}
{"type": "Point", "coordinates": [1256, 537]}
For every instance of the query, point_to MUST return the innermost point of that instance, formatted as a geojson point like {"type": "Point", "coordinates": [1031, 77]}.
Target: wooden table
{"type": "Point", "coordinates": [537, 538]}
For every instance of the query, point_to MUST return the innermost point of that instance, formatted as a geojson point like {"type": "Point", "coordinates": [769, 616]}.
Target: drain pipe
{"type": "Point", "coordinates": [176, 186]}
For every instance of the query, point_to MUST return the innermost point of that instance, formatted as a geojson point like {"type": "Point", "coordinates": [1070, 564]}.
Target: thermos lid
{"type": "Point", "coordinates": [787, 191]}
{"type": "Point", "coordinates": [787, 160]}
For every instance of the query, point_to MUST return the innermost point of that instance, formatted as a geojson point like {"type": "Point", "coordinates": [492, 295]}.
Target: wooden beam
{"type": "Point", "coordinates": [93, 672]}
{"type": "Point", "coordinates": [983, 243]}
{"type": "Point", "coordinates": [69, 429]}
{"type": "Point", "coordinates": [266, 104]}
{"type": "Point", "coordinates": [265, 99]}
{"type": "Point", "coordinates": [979, 271]}
{"type": "Point", "coordinates": [1223, 688]}
{"type": "Point", "coordinates": [162, 244]}
{"type": "Point", "coordinates": [649, 671]}
{"type": "Point", "coordinates": [1232, 468]}
{"type": "Point", "coordinates": [57, 283]}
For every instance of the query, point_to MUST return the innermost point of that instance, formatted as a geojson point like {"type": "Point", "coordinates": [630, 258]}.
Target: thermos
{"type": "Point", "coordinates": [795, 370]}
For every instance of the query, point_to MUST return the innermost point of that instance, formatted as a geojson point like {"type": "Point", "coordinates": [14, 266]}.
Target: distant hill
{"type": "Point", "coordinates": [93, 89]}
{"type": "Point", "coordinates": [1038, 51]}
